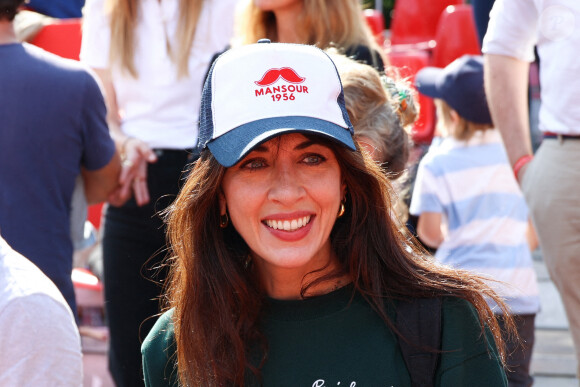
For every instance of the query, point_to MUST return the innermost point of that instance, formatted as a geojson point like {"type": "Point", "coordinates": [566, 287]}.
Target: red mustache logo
{"type": "Point", "coordinates": [272, 75]}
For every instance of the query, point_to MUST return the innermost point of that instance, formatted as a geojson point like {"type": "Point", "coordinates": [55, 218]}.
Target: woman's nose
{"type": "Point", "coordinates": [286, 187]}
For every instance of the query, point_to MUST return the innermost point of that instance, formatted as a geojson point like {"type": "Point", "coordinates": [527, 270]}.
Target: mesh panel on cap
{"type": "Point", "coordinates": [206, 113]}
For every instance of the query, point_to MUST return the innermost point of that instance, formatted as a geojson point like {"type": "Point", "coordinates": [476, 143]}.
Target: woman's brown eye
{"type": "Point", "coordinates": [254, 164]}
{"type": "Point", "coordinates": [314, 159]}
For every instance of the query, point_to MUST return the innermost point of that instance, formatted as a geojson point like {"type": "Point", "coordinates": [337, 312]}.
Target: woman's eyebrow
{"type": "Point", "coordinates": [306, 144]}
{"type": "Point", "coordinates": [260, 148]}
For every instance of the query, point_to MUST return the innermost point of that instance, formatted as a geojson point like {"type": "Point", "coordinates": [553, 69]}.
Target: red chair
{"type": "Point", "coordinates": [90, 298]}
{"type": "Point", "coordinates": [456, 35]}
{"type": "Point", "coordinates": [376, 23]}
{"type": "Point", "coordinates": [415, 21]}
{"type": "Point", "coordinates": [63, 38]}
{"type": "Point", "coordinates": [409, 63]}
{"type": "Point", "coordinates": [95, 214]}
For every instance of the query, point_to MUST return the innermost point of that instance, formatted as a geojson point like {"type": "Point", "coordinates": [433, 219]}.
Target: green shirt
{"type": "Point", "coordinates": [325, 341]}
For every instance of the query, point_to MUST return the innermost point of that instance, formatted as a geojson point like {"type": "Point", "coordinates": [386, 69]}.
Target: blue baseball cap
{"type": "Point", "coordinates": [259, 91]}
{"type": "Point", "coordinates": [460, 84]}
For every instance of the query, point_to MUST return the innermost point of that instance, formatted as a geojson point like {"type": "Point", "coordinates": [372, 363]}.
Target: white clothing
{"type": "Point", "coordinates": [158, 107]}
{"type": "Point", "coordinates": [39, 340]}
{"type": "Point", "coordinates": [515, 26]}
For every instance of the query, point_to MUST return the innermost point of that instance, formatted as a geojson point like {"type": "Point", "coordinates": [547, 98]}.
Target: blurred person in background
{"type": "Point", "coordinates": [481, 9]}
{"type": "Point", "coordinates": [40, 341]}
{"type": "Point", "coordinates": [470, 207]}
{"type": "Point", "coordinates": [151, 57]}
{"type": "Point", "coordinates": [324, 23]}
{"type": "Point", "coordinates": [550, 179]}
{"type": "Point", "coordinates": [61, 9]}
{"type": "Point", "coordinates": [53, 129]}
{"type": "Point", "coordinates": [381, 109]}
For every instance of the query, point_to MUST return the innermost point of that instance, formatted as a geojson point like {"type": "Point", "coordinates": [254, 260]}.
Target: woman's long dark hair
{"type": "Point", "coordinates": [218, 300]}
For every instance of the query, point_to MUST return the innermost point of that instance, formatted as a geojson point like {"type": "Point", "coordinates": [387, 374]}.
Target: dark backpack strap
{"type": "Point", "coordinates": [419, 322]}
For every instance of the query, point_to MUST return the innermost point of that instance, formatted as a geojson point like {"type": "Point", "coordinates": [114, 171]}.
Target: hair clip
{"type": "Point", "coordinates": [401, 95]}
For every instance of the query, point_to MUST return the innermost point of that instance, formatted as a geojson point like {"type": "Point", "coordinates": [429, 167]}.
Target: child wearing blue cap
{"type": "Point", "coordinates": [469, 204]}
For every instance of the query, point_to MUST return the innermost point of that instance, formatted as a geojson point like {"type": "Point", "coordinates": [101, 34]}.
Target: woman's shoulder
{"type": "Point", "coordinates": [162, 331]}
{"type": "Point", "coordinates": [467, 349]}
{"type": "Point", "coordinates": [456, 305]}
{"type": "Point", "coordinates": [158, 351]}
{"type": "Point", "coordinates": [460, 324]}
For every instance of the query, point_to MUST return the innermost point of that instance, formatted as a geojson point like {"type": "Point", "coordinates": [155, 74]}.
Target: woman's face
{"type": "Point", "coordinates": [283, 199]}
{"type": "Point", "coordinates": [278, 5]}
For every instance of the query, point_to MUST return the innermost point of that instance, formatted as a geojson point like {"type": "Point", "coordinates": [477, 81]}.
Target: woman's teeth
{"type": "Point", "coordinates": [288, 225]}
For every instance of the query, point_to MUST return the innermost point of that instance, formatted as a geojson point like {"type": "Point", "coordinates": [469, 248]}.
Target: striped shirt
{"type": "Point", "coordinates": [472, 185]}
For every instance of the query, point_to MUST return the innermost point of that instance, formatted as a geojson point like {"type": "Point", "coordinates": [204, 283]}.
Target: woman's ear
{"type": "Point", "coordinates": [343, 191]}
{"type": "Point", "coordinates": [223, 203]}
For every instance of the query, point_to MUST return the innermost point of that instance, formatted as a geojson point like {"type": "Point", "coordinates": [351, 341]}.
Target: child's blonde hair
{"type": "Point", "coordinates": [460, 130]}
{"type": "Point", "coordinates": [380, 109]}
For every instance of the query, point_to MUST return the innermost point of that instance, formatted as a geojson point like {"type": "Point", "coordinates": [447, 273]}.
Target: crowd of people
{"type": "Point", "coordinates": [253, 156]}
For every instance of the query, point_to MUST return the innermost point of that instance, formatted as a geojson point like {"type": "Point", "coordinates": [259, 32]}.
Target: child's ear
{"type": "Point", "coordinates": [454, 116]}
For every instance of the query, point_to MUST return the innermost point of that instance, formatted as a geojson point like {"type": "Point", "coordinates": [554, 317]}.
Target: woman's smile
{"type": "Point", "coordinates": [288, 224]}
{"type": "Point", "coordinates": [289, 228]}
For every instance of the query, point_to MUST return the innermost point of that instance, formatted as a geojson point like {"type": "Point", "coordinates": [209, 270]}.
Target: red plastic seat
{"type": "Point", "coordinates": [63, 38]}
{"type": "Point", "coordinates": [89, 296]}
{"type": "Point", "coordinates": [415, 21]}
{"type": "Point", "coordinates": [94, 214]}
{"type": "Point", "coordinates": [456, 35]}
{"type": "Point", "coordinates": [376, 22]}
{"type": "Point", "coordinates": [409, 63]}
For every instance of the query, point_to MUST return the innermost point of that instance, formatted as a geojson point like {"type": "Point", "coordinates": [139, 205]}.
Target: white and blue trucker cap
{"type": "Point", "coordinates": [259, 91]}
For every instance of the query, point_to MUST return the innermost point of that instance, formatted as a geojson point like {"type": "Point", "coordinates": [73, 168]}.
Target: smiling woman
{"type": "Point", "coordinates": [287, 266]}
{"type": "Point", "coordinates": [283, 200]}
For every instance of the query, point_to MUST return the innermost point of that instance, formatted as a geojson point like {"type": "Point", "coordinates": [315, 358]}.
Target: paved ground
{"type": "Point", "coordinates": [95, 363]}
{"type": "Point", "coordinates": [553, 362]}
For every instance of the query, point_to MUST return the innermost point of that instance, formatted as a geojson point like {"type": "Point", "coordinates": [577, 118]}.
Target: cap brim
{"type": "Point", "coordinates": [427, 81]}
{"type": "Point", "coordinates": [231, 147]}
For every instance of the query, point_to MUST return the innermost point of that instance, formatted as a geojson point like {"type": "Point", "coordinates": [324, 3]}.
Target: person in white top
{"type": "Point", "coordinates": [40, 343]}
{"type": "Point", "coordinates": [152, 57]}
{"type": "Point", "coordinates": [550, 179]}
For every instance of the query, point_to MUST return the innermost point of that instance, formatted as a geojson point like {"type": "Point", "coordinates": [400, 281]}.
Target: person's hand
{"type": "Point", "coordinates": [133, 178]}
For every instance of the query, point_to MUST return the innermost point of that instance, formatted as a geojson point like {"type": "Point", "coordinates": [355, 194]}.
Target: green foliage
{"type": "Point", "coordinates": [388, 6]}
